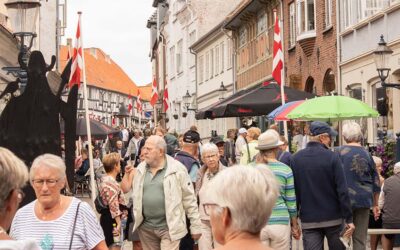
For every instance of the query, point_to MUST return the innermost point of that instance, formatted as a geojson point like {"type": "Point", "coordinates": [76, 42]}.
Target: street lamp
{"type": "Point", "coordinates": [381, 56]}
{"type": "Point", "coordinates": [222, 91]}
{"type": "Point", "coordinates": [188, 100]}
{"type": "Point", "coordinates": [23, 15]}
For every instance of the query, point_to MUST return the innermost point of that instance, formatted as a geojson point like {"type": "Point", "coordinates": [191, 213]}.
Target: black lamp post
{"type": "Point", "coordinates": [188, 101]}
{"type": "Point", "coordinates": [23, 15]}
{"type": "Point", "coordinates": [222, 91]}
{"type": "Point", "coordinates": [381, 56]}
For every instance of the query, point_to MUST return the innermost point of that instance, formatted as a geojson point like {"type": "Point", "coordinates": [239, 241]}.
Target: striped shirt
{"type": "Point", "coordinates": [56, 234]}
{"type": "Point", "coordinates": [285, 205]}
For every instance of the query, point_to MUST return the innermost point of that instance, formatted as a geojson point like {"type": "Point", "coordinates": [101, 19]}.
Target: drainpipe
{"type": "Point", "coordinates": [338, 60]}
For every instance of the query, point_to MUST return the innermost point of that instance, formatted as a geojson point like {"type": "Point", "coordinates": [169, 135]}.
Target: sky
{"type": "Point", "coordinates": [118, 28]}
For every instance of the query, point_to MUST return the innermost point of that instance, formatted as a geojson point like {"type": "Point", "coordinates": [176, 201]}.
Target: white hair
{"type": "Point", "coordinates": [396, 168]}
{"type": "Point", "coordinates": [50, 161]}
{"type": "Point", "coordinates": [351, 132]}
{"type": "Point", "coordinates": [377, 160]}
{"type": "Point", "coordinates": [209, 148]}
{"type": "Point", "coordinates": [159, 142]}
{"type": "Point", "coordinates": [249, 193]}
{"type": "Point", "coordinates": [13, 174]}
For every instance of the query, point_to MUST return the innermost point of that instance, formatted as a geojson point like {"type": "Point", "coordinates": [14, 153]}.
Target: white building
{"type": "Point", "coordinates": [179, 24]}
{"type": "Point", "coordinates": [361, 25]}
{"type": "Point", "coordinates": [214, 59]}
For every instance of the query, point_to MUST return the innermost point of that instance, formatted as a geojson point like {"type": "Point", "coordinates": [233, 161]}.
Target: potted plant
{"type": "Point", "coordinates": [184, 114]}
{"type": "Point", "coordinates": [175, 116]}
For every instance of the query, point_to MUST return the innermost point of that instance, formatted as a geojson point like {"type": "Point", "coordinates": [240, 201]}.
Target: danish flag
{"type": "Point", "coordinates": [277, 63]}
{"type": "Point", "coordinates": [130, 103]}
{"type": "Point", "coordinates": [77, 62]}
{"type": "Point", "coordinates": [165, 97]}
{"type": "Point", "coordinates": [139, 103]}
{"type": "Point", "coordinates": [154, 93]}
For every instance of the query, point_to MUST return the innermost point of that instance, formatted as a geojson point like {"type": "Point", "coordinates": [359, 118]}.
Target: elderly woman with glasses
{"type": "Point", "coordinates": [239, 202]}
{"type": "Point", "coordinates": [212, 166]}
{"type": "Point", "coordinates": [13, 177]}
{"type": "Point", "coordinates": [53, 220]}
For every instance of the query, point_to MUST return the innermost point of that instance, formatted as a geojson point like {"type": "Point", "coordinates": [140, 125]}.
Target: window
{"type": "Point", "coordinates": [192, 39]}
{"type": "Point", "coordinates": [172, 60]}
{"type": "Point", "coordinates": [179, 67]}
{"type": "Point", "coordinates": [211, 63]}
{"type": "Point", "coordinates": [207, 66]}
{"type": "Point", "coordinates": [216, 71]}
{"type": "Point", "coordinates": [230, 53]}
{"type": "Point", "coordinates": [261, 23]}
{"type": "Point", "coordinates": [306, 17]}
{"type": "Point", "coordinates": [222, 48]}
{"type": "Point", "coordinates": [328, 13]}
{"type": "Point", "coordinates": [292, 25]}
{"type": "Point", "coordinates": [355, 11]}
{"type": "Point", "coordinates": [242, 36]}
{"type": "Point", "coordinates": [201, 69]}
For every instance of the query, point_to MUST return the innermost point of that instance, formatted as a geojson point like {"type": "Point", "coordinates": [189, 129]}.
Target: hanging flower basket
{"type": "Point", "coordinates": [184, 114]}
{"type": "Point", "coordinates": [175, 116]}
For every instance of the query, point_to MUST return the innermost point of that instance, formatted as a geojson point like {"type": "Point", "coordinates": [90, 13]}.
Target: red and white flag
{"type": "Point", "coordinates": [165, 97]}
{"type": "Point", "coordinates": [277, 63]}
{"type": "Point", "coordinates": [154, 93]}
{"type": "Point", "coordinates": [113, 121]}
{"type": "Point", "coordinates": [130, 103]}
{"type": "Point", "coordinates": [77, 62]}
{"type": "Point", "coordinates": [139, 103]}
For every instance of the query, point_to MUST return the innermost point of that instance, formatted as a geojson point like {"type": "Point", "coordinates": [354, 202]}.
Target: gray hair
{"type": "Point", "coordinates": [13, 174]}
{"type": "Point", "coordinates": [209, 148]}
{"type": "Point", "coordinates": [396, 168]}
{"type": "Point", "coordinates": [377, 160]}
{"type": "Point", "coordinates": [50, 161]}
{"type": "Point", "coordinates": [160, 142]}
{"type": "Point", "coordinates": [238, 188]}
{"type": "Point", "coordinates": [352, 132]}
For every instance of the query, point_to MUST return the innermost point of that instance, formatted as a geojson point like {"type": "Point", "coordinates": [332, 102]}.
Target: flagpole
{"type": "Point", "coordinates": [85, 100]}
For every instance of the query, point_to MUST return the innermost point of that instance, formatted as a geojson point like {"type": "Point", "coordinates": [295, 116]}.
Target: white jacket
{"type": "Point", "coordinates": [180, 199]}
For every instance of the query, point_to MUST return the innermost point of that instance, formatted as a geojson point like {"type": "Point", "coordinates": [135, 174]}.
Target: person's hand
{"type": "Point", "coordinates": [129, 169]}
{"type": "Point", "coordinates": [196, 236]}
{"type": "Point", "coordinates": [296, 232]}
{"type": "Point", "coordinates": [349, 230]}
{"type": "Point", "coordinates": [377, 212]}
{"type": "Point", "coordinates": [78, 162]}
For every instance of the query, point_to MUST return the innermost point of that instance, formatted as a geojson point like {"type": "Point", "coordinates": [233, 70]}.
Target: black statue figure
{"type": "Point", "coordinates": [30, 123]}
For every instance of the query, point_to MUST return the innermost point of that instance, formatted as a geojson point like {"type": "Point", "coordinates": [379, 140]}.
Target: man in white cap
{"type": "Point", "coordinates": [389, 200]}
{"type": "Point", "coordinates": [240, 142]}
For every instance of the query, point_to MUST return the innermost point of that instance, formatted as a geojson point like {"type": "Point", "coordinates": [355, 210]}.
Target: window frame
{"type": "Point", "coordinates": [262, 17]}
{"type": "Point", "coordinates": [328, 14]}
{"type": "Point", "coordinates": [292, 24]}
{"type": "Point", "coordinates": [243, 33]}
{"type": "Point", "coordinates": [172, 60]}
{"type": "Point", "coordinates": [179, 59]}
{"type": "Point", "coordinates": [307, 30]}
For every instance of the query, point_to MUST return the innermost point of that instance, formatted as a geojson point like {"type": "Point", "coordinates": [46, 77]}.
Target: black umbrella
{"type": "Point", "coordinates": [98, 129]}
{"type": "Point", "coordinates": [207, 112]}
{"type": "Point", "coordinates": [258, 101]}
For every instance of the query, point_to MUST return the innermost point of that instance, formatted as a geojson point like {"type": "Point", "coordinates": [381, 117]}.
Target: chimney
{"type": "Point", "coordinates": [93, 52]}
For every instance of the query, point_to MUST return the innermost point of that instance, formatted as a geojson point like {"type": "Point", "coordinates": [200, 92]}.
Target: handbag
{"type": "Point", "coordinates": [98, 202]}
{"type": "Point", "coordinates": [73, 227]}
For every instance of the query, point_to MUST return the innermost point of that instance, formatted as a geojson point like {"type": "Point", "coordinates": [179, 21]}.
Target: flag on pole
{"type": "Point", "coordinates": [154, 93]}
{"type": "Point", "coordinates": [277, 63]}
{"type": "Point", "coordinates": [139, 103]}
{"type": "Point", "coordinates": [130, 103]}
{"type": "Point", "coordinates": [165, 97]}
{"type": "Point", "coordinates": [113, 121]}
{"type": "Point", "coordinates": [77, 61]}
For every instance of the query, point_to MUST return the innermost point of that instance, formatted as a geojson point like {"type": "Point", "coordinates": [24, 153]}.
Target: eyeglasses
{"type": "Point", "coordinates": [49, 182]}
{"type": "Point", "coordinates": [208, 157]}
{"type": "Point", "coordinates": [207, 208]}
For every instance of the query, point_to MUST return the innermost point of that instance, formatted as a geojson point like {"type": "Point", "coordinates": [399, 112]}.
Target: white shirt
{"type": "Point", "coordinates": [56, 234]}
{"type": "Point", "coordinates": [125, 135]}
{"type": "Point", "coordinates": [18, 245]}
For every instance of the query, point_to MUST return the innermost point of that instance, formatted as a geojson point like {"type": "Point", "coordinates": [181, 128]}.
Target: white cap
{"type": "Point", "coordinates": [242, 130]}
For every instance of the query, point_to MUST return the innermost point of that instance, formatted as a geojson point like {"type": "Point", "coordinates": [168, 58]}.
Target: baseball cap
{"type": "Point", "coordinates": [242, 130]}
{"type": "Point", "coordinates": [191, 137]}
{"type": "Point", "coordinates": [216, 140]}
{"type": "Point", "coordinates": [317, 128]}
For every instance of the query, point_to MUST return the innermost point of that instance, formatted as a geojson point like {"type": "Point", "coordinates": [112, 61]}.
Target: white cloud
{"type": "Point", "coordinates": [119, 29]}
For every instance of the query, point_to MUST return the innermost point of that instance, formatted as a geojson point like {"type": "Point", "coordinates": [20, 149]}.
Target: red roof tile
{"type": "Point", "coordinates": [103, 72]}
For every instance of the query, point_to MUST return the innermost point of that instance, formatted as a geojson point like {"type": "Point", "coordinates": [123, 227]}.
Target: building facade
{"type": "Point", "coordinates": [179, 24]}
{"type": "Point", "coordinates": [214, 59]}
{"type": "Point", "coordinates": [310, 46]}
{"type": "Point", "coordinates": [362, 24]}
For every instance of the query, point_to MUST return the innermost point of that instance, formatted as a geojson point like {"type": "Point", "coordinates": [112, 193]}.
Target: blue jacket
{"type": "Point", "coordinates": [320, 185]}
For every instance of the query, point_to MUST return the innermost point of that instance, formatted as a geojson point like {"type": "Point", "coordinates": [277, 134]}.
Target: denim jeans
{"type": "Point", "coordinates": [313, 239]}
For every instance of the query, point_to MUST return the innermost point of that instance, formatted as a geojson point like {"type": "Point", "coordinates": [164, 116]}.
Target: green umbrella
{"type": "Point", "coordinates": [332, 108]}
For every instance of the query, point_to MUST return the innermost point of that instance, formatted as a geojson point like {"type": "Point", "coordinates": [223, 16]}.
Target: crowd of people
{"type": "Point", "coordinates": [244, 191]}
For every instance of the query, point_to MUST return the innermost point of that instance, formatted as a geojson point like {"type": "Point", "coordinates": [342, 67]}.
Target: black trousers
{"type": "Point", "coordinates": [187, 243]}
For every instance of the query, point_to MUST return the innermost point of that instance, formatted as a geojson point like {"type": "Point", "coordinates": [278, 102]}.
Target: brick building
{"type": "Point", "coordinates": [310, 47]}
